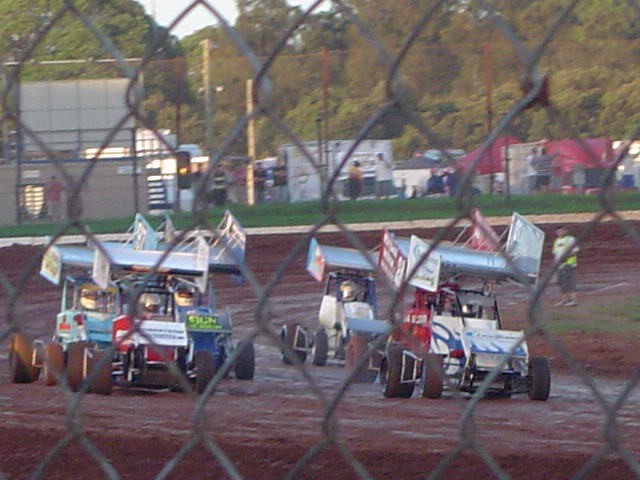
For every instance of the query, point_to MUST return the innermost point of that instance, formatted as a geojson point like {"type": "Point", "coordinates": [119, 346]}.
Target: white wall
{"type": "Point", "coordinates": [62, 111]}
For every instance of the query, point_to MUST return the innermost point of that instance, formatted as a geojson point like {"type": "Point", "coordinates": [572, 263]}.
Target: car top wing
{"type": "Point", "coordinates": [321, 258]}
{"type": "Point", "coordinates": [226, 244]}
{"type": "Point", "coordinates": [121, 258]}
{"type": "Point", "coordinates": [519, 261]}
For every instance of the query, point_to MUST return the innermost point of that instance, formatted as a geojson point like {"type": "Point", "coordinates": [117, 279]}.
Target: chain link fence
{"type": "Point", "coordinates": [399, 99]}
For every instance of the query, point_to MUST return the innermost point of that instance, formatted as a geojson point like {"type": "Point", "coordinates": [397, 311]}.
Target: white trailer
{"type": "Point", "coordinates": [305, 176]}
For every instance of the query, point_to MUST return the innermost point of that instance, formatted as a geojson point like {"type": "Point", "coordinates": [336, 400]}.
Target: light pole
{"type": "Point", "coordinates": [323, 175]}
{"type": "Point", "coordinates": [206, 82]}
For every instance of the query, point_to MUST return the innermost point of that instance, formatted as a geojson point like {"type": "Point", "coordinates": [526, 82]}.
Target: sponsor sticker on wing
{"type": "Point", "coordinates": [51, 267]}
{"type": "Point", "coordinates": [315, 260]}
{"type": "Point", "coordinates": [427, 273]}
{"type": "Point", "coordinates": [208, 323]}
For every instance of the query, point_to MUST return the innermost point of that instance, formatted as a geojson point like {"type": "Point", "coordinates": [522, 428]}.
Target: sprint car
{"type": "Point", "coordinates": [347, 322]}
{"type": "Point", "coordinates": [453, 336]}
{"type": "Point", "coordinates": [467, 347]}
{"type": "Point", "coordinates": [151, 329]}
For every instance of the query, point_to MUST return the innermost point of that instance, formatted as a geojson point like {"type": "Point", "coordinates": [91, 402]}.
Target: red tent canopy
{"type": "Point", "coordinates": [491, 161]}
{"type": "Point", "coordinates": [597, 154]}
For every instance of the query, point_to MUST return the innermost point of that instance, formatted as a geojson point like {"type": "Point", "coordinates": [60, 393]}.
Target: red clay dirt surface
{"type": "Point", "coordinates": [267, 425]}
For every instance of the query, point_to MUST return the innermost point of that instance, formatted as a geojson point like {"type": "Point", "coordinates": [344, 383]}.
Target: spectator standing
{"type": "Point", "coordinates": [354, 181]}
{"type": "Point", "coordinates": [453, 181]}
{"type": "Point", "coordinates": [280, 182]}
{"type": "Point", "coordinates": [259, 181]}
{"type": "Point", "coordinates": [543, 166]}
{"type": "Point", "coordinates": [238, 184]}
{"type": "Point", "coordinates": [402, 192]}
{"type": "Point", "coordinates": [384, 176]}
{"type": "Point", "coordinates": [565, 251]}
{"type": "Point", "coordinates": [196, 180]}
{"type": "Point", "coordinates": [220, 184]}
{"type": "Point", "coordinates": [196, 176]}
{"type": "Point", "coordinates": [435, 184]}
{"type": "Point", "coordinates": [53, 196]}
{"type": "Point", "coordinates": [579, 177]}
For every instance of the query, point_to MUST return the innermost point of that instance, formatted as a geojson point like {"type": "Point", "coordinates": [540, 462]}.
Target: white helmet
{"type": "Point", "coordinates": [150, 302]}
{"type": "Point", "coordinates": [348, 289]}
{"type": "Point", "coordinates": [184, 296]}
{"type": "Point", "coordinates": [88, 299]}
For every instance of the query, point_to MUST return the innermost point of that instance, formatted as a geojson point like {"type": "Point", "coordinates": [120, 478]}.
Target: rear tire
{"type": "Point", "coordinates": [320, 351]}
{"type": "Point", "coordinates": [391, 374]}
{"type": "Point", "coordinates": [288, 337]}
{"type": "Point", "coordinates": [246, 361]}
{"type": "Point", "coordinates": [539, 379]}
{"type": "Point", "coordinates": [53, 366]}
{"type": "Point", "coordinates": [21, 352]}
{"type": "Point", "coordinates": [358, 346]}
{"type": "Point", "coordinates": [205, 369]}
{"type": "Point", "coordinates": [432, 376]}
{"type": "Point", "coordinates": [103, 383]}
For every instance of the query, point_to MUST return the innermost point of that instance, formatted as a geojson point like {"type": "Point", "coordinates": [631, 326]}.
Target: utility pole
{"type": "Point", "coordinates": [206, 84]}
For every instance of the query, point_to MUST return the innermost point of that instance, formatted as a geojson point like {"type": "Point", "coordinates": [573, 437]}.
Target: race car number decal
{"type": "Point", "coordinates": [203, 322]}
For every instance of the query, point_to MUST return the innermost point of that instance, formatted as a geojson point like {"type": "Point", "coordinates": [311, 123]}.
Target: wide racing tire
{"type": "Point", "coordinates": [432, 376]}
{"type": "Point", "coordinates": [391, 373]}
{"type": "Point", "coordinates": [21, 353]}
{"type": "Point", "coordinates": [288, 337]}
{"type": "Point", "coordinates": [53, 366]}
{"type": "Point", "coordinates": [320, 350]}
{"type": "Point", "coordinates": [358, 346]}
{"type": "Point", "coordinates": [76, 364]}
{"type": "Point", "coordinates": [205, 369]}
{"type": "Point", "coordinates": [103, 382]}
{"type": "Point", "coordinates": [539, 379]}
{"type": "Point", "coordinates": [245, 365]}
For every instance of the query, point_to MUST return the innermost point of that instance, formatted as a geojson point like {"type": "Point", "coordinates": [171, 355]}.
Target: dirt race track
{"type": "Point", "coordinates": [265, 426]}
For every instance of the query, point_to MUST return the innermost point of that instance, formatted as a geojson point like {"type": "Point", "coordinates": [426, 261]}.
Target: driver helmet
{"type": "Point", "coordinates": [184, 296]}
{"type": "Point", "coordinates": [150, 302]}
{"type": "Point", "coordinates": [469, 310]}
{"type": "Point", "coordinates": [348, 290]}
{"type": "Point", "coordinates": [88, 299]}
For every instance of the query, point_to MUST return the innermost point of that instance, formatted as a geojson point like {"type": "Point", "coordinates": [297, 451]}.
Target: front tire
{"type": "Point", "coordinates": [246, 361]}
{"type": "Point", "coordinates": [205, 367]}
{"type": "Point", "coordinates": [539, 379]}
{"type": "Point", "coordinates": [391, 373]}
{"type": "Point", "coordinates": [357, 347]}
{"type": "Point", "coordinates": [320, 351]}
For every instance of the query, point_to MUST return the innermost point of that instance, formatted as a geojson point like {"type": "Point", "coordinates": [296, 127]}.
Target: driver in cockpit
{"type": "Point", "coordinates": [184, 296]}
{"type": "Point", "coordinates": [348, 291]}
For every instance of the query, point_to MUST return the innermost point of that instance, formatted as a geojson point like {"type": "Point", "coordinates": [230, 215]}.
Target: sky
{"type": "Point", "coordinates": [165, 11]}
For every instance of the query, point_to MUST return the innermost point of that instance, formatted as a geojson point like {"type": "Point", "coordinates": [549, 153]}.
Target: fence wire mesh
{"type": "Point", "coordinates": [399, 99]}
